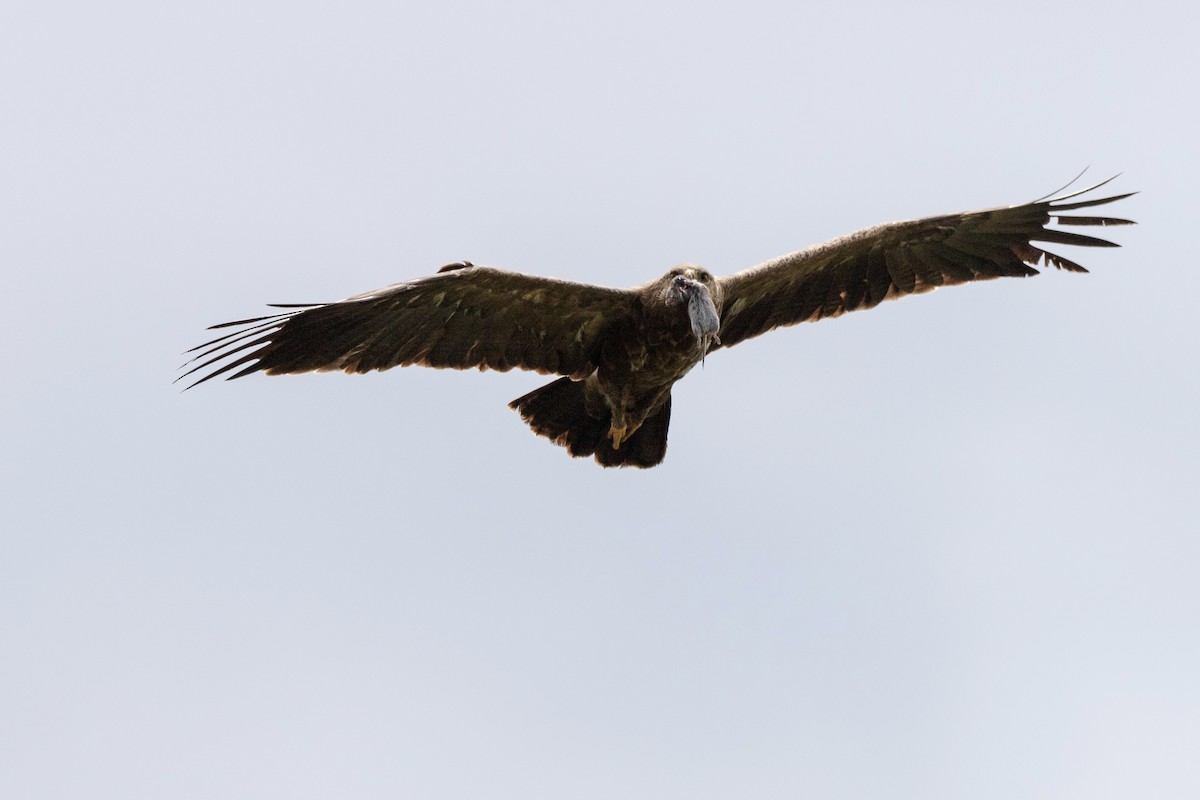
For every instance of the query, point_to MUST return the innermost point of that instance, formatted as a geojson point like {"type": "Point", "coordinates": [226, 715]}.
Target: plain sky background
{"type": "Point", "coordinates": [945, 549]}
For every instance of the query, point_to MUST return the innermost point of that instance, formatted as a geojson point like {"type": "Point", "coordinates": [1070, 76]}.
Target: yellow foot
{"type": "Point", "coordinates": [622, 434]}
{"type": "Point", "coordinates": [618, 435]}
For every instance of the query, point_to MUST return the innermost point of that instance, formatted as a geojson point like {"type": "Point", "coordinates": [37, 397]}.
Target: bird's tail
{"type": "Point", "coordinates": [559, 411]}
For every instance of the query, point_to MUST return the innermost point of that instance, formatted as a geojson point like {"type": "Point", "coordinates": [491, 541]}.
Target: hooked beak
{"type": "Point", "coordinates": [702, 312]}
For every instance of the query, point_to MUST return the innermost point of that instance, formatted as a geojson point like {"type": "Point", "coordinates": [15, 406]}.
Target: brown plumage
{"type": "Point", "coordinates": [619, 351]}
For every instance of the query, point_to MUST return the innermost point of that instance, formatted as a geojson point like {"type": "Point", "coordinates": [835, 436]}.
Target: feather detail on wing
{"type": "Point", "coordinates": [901, 258]}
{"type": "Point", "coordinates": [462, 317]}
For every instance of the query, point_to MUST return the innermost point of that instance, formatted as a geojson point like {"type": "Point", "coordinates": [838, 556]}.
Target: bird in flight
{"type": "Point", "coordinates": [620, 351]}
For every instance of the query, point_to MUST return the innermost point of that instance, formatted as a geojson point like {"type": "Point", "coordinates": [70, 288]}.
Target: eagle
{"type": "Point", "coordinates": [619, 352]}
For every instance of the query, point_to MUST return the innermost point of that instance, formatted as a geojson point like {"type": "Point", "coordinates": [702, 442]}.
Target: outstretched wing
{"type": "Point", "coordinates": [901, 258]}
{"type": "Point", "coordinates": [462, 317]}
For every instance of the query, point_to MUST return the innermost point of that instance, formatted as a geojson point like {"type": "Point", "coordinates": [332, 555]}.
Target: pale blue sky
{"type": "Point", "coordinates": [944, 549]}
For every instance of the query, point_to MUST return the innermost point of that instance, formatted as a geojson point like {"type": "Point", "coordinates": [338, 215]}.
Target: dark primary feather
{"type": "Point", "coordinates": [888, 261]}
{"type": "Point", "coordinates": [464, 316]}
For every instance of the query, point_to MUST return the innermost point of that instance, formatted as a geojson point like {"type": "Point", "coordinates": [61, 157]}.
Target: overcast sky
{"type": "Point", "coordinates": [944, 549]}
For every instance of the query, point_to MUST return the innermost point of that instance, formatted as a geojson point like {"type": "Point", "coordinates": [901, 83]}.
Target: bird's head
{"type": "Point", "coordinates": [698, 289]}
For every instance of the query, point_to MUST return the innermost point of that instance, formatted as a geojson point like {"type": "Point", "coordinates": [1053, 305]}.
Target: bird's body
{"type": "Point", "coordinates": [620, 351]}
{"type": "Point", "coordinates": [641, 358]}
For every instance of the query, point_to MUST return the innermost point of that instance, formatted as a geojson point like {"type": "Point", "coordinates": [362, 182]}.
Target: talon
{"type": "Point", "coordinates": [618, 434]}
{"type": "Point", "coordinates": [622, 434]}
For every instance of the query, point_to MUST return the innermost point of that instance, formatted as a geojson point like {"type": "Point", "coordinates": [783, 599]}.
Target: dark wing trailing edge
{"type": "Point", "coordinates": [901, 258]}
{"type": "Point", "coordinates": [462, 317]}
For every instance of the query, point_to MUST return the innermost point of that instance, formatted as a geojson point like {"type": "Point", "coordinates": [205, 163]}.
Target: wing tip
{"type": "Point", "coordinates": [255, 336]}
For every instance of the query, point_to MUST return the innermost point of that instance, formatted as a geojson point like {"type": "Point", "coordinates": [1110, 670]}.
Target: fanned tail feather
{"type": "Point", "coordinates": [559, 411]}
